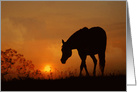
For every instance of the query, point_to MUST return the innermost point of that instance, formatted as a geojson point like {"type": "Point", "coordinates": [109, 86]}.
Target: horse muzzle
{"type": "Point", "coordinates": [63, 61]}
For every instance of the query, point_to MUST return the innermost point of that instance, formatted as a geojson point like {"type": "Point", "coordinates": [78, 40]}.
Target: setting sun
{"type": "Point", "coordinates": [47, 68]}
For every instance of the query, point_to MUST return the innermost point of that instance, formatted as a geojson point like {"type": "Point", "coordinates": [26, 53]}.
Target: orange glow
{"type": "Point", "coordinates": [47, 68]}
{"type": "Point", "coordinates": [36, 30]}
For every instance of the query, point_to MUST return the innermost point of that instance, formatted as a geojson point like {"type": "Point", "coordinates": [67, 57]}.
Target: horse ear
{"type": "Point", "coordinates": [63, 41]}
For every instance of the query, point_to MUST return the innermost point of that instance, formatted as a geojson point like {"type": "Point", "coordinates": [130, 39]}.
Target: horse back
{"type": "Point", "coordinates": [92, 40]}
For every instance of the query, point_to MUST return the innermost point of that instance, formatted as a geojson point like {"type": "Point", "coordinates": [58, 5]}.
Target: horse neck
{"type": "Point", "coordinates": [71, 43]}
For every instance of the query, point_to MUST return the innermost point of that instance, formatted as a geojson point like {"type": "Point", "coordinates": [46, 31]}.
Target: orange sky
{"type": "Point", "coordinates": [36, 28]}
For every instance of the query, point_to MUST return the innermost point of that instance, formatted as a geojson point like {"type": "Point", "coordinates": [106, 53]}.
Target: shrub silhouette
{"type": "Point", "coordinates": [14, 65]}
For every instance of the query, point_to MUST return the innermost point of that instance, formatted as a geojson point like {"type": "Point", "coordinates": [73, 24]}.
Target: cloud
{"type": "Point", "coordinates": [12, 34]}
{"type": "Point", "coordinates": [36, 29]}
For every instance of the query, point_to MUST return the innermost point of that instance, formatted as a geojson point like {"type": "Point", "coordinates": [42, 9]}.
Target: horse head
{"type": "Point", "coordinates": [66, 52]}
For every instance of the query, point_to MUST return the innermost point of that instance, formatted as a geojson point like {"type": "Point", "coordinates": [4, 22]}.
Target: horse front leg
{"type": "Point", "coordinates": [83, 64]}
{"type": "Point", "coordinates": [81, 68]}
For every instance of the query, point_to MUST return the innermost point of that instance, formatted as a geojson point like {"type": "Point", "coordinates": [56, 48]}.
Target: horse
{"type": "Point", "coordinates": [87, 42]}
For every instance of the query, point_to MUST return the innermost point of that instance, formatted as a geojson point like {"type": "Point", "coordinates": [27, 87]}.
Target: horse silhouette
{"type": "Point", "coordinates": [88, 42]}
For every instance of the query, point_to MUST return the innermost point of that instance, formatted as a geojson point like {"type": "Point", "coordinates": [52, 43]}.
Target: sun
{"type": "Point", "coordinates": [47, 68]}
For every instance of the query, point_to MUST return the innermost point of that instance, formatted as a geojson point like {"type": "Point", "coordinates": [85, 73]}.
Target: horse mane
{"type": "Point", "coordinates": [80, 31]}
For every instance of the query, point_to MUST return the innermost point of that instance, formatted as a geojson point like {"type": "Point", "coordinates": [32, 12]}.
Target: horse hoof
{"type": "Point", "coordinates": [80, 75]}
{"type": "Point", "coordinates": [94, 74]}
{"type": "Point", "coordinates": [87, 75]}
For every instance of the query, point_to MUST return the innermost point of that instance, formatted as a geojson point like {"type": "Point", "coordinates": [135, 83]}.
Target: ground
{"type": "Point", "coordinates": [106, 83]}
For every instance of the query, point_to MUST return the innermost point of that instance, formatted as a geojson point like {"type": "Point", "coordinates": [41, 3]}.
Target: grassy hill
{"type": "Point", "coordinates": [107, 83]}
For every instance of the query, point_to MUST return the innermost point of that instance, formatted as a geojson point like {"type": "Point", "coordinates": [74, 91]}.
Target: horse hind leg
{"type": "Point", "coordinates": [102, 62]}
{"type": "Point", "coordinates": [95, 64]}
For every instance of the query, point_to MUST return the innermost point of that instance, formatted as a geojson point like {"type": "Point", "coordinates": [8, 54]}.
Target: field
{"type": "Point", "coordinates": [106, 83]}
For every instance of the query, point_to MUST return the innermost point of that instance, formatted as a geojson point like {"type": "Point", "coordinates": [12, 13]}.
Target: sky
{"type": "Point", "coordinates": [36, 29]}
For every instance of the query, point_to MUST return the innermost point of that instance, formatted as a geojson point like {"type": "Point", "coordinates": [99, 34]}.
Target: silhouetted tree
{"type": "Point", "coordinates": [15, 64]}
{"type": "Point", "coordinates": [7, 61]}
